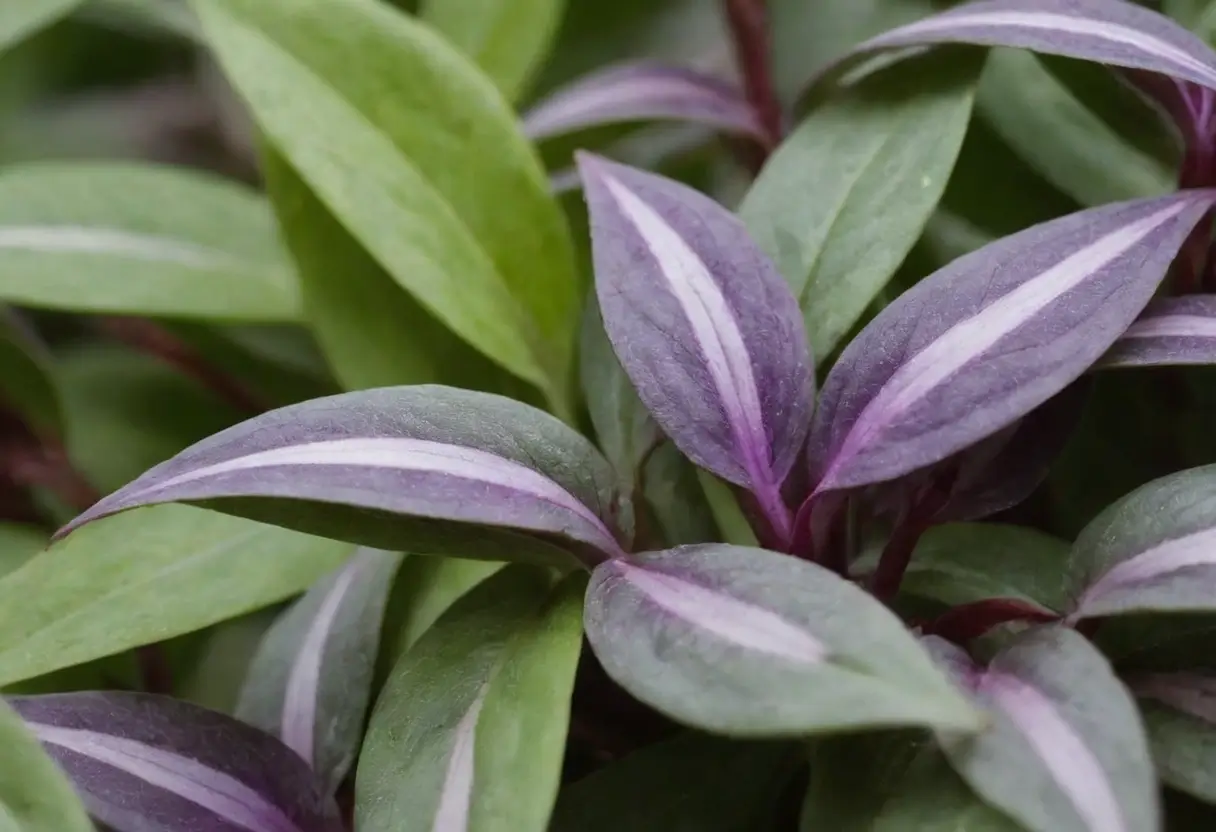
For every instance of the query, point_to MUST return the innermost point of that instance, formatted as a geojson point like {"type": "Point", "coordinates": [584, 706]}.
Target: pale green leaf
{"type": "Point", "coordinates": [21, 18]}
{"type": "Point", "coordinates": [420, 158]}
{"type": "Point", "coordinates": [842, 201]}
{"type": "Point", "coordinates": [144, 577]}
{"type": "Point", "coordinates": [1184, 749]}
{"type": "Point", "coordinates": [508, 39]}
{"type": "Point", "coordinates": [35, 796]}
{"type": "Point", "coordinates": [140, 239]}
{"type": "Point", "coordinates": [726, 511]}
{"type": "Point", "coordinates": [489, 749]}
{"type": "Point", "coordinates": [19, 543]}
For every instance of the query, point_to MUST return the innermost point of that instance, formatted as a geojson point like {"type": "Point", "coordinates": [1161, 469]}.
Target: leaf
{"type": "Point", "coordinates": [26, 385]}
{"type": "Point", "coordinates": [145, 762]}
{"type": "Point", "coordinates": [643, 91]}
{"type": "Point", "coordinates": [159, 17]}
{"type": "Point", "coordinates": [705, 328]}
{"type": "Point", "coordinates": [842, 201]}
{"type": "Point", "coordinates": [146, 577]}
{"type": "Point", "coordinates": [1179, 713]}
{"type": "Point", "coordinates": [1066, 749]}
{"type": "Point", "coordinates": [745, 642]}
{"type": "Point", "coordinates": [724, 506]}
{"type": "Point", "coordinates": [982, 342]}
{"type": "Point", "coordinates": [140, 239]}
{"type": "Point", "coordinates": [310, 681]}
{"type": "Point", "coordinates": [508, 39]}
{"type": "Point", "coordinates": [1152, 551]}
{"type": "Point", "coordinates": [931, 798]}
{"type": "Point", "coordinates": [431, 177]}
{"type": "Point", "coordinates": [373, 334]}
{"type": "Point", "coordinates": [19, 543]}
{"type": "Point", "coordinates": [357, 465]}
{"type": "Point", "coordinates": [20, 20]}
{"type": "Point", "coordinates": [1111, 32]}
{"type": "Point", "coordinates": [1171, 331]}
{"type": "Point", "coordinates": [692, 783]}
{"type": "Point", "coordinates": [675, 499]}
{"type": "Point", "coordinates": [961, 563]}
{"type": "Point", "coordinates": [34, 794]}
{"type": "Point", "coordinates": [504, 658]}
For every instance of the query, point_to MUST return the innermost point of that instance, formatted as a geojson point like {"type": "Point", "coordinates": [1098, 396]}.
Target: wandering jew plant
{"type": "Point", "coordinates": [764, 526]}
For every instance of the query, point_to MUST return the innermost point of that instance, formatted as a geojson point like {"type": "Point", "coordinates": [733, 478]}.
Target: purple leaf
{"type": "Point", "coordinates": [1171, 331]}
{"type": "Point", "coordinates": [145, 763]}
{"type": "Point", "coordinates": [360, 465]}
{"type": "Point", "coordinates": [1187, 106]}
{"type": "Point", "coordinates": [1066, 751]}
{"type": "Point", "coordinates": [706, 329]}
{"type": "Point", "coordinates": [985, 340]}
{"type": "Point", "coordinates": [643, 91]}
{"type": "Point", "coordinates": [1111, 32]}
{"type": "Point", "coordinates": [1191, 693]}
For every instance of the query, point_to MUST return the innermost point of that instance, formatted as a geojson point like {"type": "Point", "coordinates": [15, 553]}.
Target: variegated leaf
{"type": "Point", "coordinates": [1179, 712]}
{"type": "Point", "coordinates": [984, 341]}
{"type": "Point", "coordinates": [143, 763]}
{"type": "Point", "coordinates": [643, 91]}
{"type": "Point", "coordinates": [310, 681]}
{"type": "Point", "coordinates": [1153, 551]}
{"type": "Point", "coordinates": [486, 754]}
{"type": "Point", "coordinates": [378, 467]}
{"type": "Point", "coordinates": [1066, 751]}
{"type": "Point", "coordinates": [1178, 330]}
{"type": "Point", "coordinates": [706, 329]}
{"type": "Point", "coordinates": [35, 796]}
{"type": "Point", "coordinates": [747, 642]}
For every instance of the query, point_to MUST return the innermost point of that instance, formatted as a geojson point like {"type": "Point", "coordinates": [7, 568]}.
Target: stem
{"type": "Point", "coordinates": [970, 621]}
{"type": "Point", "coordinates": [898, 552]}
{"type": "Point", "coordinates": [155, 340]}
{"type": "Point", "coordinates": [748, 21]}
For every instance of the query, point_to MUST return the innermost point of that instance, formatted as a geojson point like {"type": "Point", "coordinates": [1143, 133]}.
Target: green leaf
{"type": "Point", "coordinates": [19, 543]}
{"type": "Point", "coordinates": [22, 18]}
{"type": "Point", "coordinates": [693, 783]}
{"type": "Point", "coordinates": [172, 17]}
{"type": "Point", "coordinates": [26, 386]}
{"type": "Point", "coordinates": [673, 496]}
{"type": "Point", "coordinates": [35, 796]}
{"type": "Point", "coordinates": [310, 682]}
{"type": "Point", "coordinates": [219, 660]}
{"type": "Point", "coordinates": [508, 39]}
{"type": "Point", "coordinates": [727, 514]}
{"type": "Point", "coordinates": [432, 176]}
{"type": "Point", "coordinates": [1184, 749]}
{"type": "Point", "coordinates": [1060, 137]}
{"type": "Point", "coordinates": [747, 642]}
{"type": "Point", "coordinates": [845, 197]}
{"type": "Point", "coordinates": [126, 412]}
{"type": "Point", "coordinates": [144, 577]}
{"type": "Point", "coordinates": [140, 239]}
{"type": "Point", "coordinates": [470, 730]}
{"type": "Point", "coordinates": [961, 563]}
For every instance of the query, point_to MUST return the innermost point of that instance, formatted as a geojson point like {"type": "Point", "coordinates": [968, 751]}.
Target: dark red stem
{"type": "Point", "coordinates": [749, 27]}
{"type": "Point", "coordinates": [970, 621]}
{"type": "Point", "coordinates": [898, 552]}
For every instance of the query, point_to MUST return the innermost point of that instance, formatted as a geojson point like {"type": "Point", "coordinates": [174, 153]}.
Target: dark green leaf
{"type": "Point", "coordinates": [19, 20]}
{"type": "Point", "coordinates": [1184, 749]}
{"type": "Point", "coordinates": [675, 499]}
{"type": "Point", "coordinates": [26, 386]}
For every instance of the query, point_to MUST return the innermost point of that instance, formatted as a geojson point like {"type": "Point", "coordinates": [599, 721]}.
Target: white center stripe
{"type": "Point", "coordinates": [82, 240]}
{"type": "Point", "coordinates": [1183, 326]}
{"type": "Point", "coordinates": [1197, 549]}
{"type": "Point", "coordinates": [213, 790]}
{"type": "Point", "coordinates": [457, 795]}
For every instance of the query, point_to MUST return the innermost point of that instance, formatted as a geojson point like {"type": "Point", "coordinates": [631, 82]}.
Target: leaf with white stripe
{"type": "Point", "coordinates": [987, 339]}
{"type": "Point", "coordinates": [747, 642]}
{"type": "Point", "coordinates": [643, 91]}
{"type": "Point", "coordinates": [310, 680]}
{"type": "Point", "coordinates": [486, 752]}
{"type": "Point", "coordinates": [141, 239]}
{"type": "Point", "coordinates": [34, 794]}
{"type": "Point", "coordinates": [705, 327]}
{"type": "Point", "coordinates": [1066, 750]}
{"type": "Point", "coordinates": [145, 763]}
{"type": "Point", "coordinates": [1179, 711]}
{"type": "Point", "coordinates": [1152, 551]}
{"type": "Point", "coordinates": [1171, 331]}
{"type": "Point", "coordinates": [379, 467]}
{"type": "Point", "coordinates": [1114, 32]}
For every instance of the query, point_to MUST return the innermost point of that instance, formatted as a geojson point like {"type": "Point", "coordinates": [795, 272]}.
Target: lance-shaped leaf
{"type": "Point", "coordinates": [26, 387]}
{"type": "Point", "coordinates": [982, 342]}
{"type": "Point", "coordinates": [640, 92]}
{"type": "Point", "coordinates": [704, 326]}
{"type": "Point", "coordinates": [486, 753]}
{"type": "Point", "coordinates": [1179, 712]}
{"type": "Point", "coordinates": [747, 642]}
{"type": "Point", "coordinates": [34, 794]}
{"type": "Point", "coordinates": [1153, 551]}
{"type": "Point", "coordinates": [142, 762]}
{"type": "Point", "coordinates": [356, 465]}
{"type": "Point", "coordinates": [1170, 331]}
{"type": "Point", "coordinates": [1113, 32]}
{"type": "Point", "coordinates": [1066, 751]}
{"type": "Point", "coordinates": [310, 681]}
